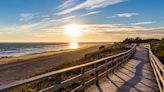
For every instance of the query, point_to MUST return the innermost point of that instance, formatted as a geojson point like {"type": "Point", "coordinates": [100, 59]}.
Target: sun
{"type": "Point", "coordinates": [73, 30]}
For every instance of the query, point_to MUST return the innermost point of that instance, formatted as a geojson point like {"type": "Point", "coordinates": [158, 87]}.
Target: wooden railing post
{"type": "Point", "coordinates": [58, 80]}
{"type": "Point", "coordinates": [112, 65]}
{"type": "Point", "coordinates": [117, 62]}
{"type": "Point", "coordinates": [96, 74]}
{"type": "Point", "coordinates": [163, 78]}
{"type": "Point", "coordinates": [83, 79]}
{"type": "Point", "coordinates": [124, 58]}
{"type": "Point", "coordinates": [106, 67]}
{"type": "Point", "coordinates": [121, 61]}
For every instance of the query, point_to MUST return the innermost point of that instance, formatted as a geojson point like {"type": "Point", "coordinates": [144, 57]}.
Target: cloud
{"type": "Point", "coordinates": [44, 16]}
{"type": "Point", "coordinates": [143, 23]}
{"type": "Point", "coordinates": [33, 16]}
{"type": "Point", "coordinates": [47, 24]}
{"type": "Point", "coordinates": [67, 4]}
{"type": "Point", "coordinates": [26, 16]}
{"type": "Point", "coordinates": [123, 31]}
{"type": "Point", "coordinates": [127, 14]}
{"type": "Point", "coordinates": [44, 25]}
{"type": "Point", "coordinates": [112, 28]}
{"type": "Point", "coordinates": [91, 32]}
{"type": "Point", "coordinates": [46, 19]}
{"type": "Point", "coordinates": [90, 4]}
{"type": "Point", "coordinates": [111, 17]}
{"type": "Point", "coordinates": [91, 13]}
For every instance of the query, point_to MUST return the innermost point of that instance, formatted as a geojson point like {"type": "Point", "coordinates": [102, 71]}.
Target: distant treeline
{"type": "Point", "coordinates": [140, 40]}
{"type": "Point", "coordinates": [157, 45]}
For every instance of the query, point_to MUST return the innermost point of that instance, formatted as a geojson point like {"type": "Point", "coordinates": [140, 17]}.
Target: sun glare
{"type": "Point", "coordinates": [73, 45]}
{"type": "Point", "coordinates": [73, 30]}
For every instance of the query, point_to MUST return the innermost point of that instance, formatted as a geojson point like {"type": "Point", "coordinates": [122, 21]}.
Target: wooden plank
{"type": "Point", "coordinates": [129, 79]}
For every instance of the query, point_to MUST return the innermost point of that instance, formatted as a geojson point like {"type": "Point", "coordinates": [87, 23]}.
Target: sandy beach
{"type": "Point", "coordinates": [16, 68]}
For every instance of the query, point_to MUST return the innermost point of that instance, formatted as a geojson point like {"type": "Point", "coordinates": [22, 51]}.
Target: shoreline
{"type": "Point", "coordinates": [7, 60]}
{"type": "Point", "coordinates": [35, 63]}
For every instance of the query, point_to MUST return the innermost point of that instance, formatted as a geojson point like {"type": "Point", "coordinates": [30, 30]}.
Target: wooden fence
{"type": "Point", "coordinates": [158, 69]}
{"type": "Point", "coordinates": [108, 64]}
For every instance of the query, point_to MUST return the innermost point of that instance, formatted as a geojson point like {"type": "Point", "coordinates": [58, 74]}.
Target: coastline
{"type": "Point", "coordinates": [7, 60]}
{"type": "Point", "coordinates": [35, 63]}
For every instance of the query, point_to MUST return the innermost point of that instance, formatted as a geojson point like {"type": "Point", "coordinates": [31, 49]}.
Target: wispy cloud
{"type": "Point", "coordinates": [50, 23]}
{"type": "Point", "coordinates": [44, 16]}
{"type": "Point", "coordinates": [90, 4]}
{"type": "Point", "coordinates": [49, 30]}
{"type": "Point", "coordinates": [143, 23]}
{"type": "Point", "coordinates": [26, 16]}
{"type": "Point", "coordinates": [91, 13]}
{"type": "Point", "coordinates": [112, 28]}
{"type": "Point", "coordinates": [127, 14]}
{"type": "Point", "coordinates": [67, 4]}
{"type": "Point", "coordinates": [111, 17]}
{"type": "Point", "coordinates": [43, 25]}
{"type": "Point", "coordinates": [123, 31]}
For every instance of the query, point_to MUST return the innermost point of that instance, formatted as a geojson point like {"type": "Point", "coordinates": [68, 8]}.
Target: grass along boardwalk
{"type": "Point", "coordinates": [135, 76]}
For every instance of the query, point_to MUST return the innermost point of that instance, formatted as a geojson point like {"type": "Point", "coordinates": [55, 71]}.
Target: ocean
{"type": "Point", "coordinates": [20, 49]}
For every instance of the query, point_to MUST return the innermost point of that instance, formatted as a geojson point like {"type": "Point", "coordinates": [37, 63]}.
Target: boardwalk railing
{"type": "Point", "coordinates": [158, 69]}
{"type": "Point", "coordinates": [108, 64]}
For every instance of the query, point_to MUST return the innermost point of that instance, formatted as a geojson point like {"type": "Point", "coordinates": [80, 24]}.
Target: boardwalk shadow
{"type": "Point", "coordinates": [137, 77]}
{"type": "Point", "coordinates": [150, 80]}
{"type": "Point", "coordinates": [136, 66]}
{"type": "Point", "coordinates": [99, 88]}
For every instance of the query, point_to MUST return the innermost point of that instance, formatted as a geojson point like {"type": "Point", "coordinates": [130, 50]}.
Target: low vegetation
{"type": "Point", "coordinates": [158, 49]}
{"type": "Point", "coordinates": [157, 45]}
{"type": "Point", "coordinates": [103, 51]}
{"type": "Point", "coordinates": [138, 40]}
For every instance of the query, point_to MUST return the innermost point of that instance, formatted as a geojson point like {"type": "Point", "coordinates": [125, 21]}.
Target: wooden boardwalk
{"type": "Point", "coordinates": [134, 76]}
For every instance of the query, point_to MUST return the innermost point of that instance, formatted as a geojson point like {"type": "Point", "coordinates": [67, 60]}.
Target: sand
{"type": "Point", "coordinates": [16, 68]}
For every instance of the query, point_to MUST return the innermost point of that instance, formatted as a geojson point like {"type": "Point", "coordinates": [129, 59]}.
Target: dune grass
{"type": "Point", "coordinates": [158, 49]}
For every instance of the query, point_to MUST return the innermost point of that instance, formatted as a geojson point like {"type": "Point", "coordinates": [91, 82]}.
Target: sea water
{"type": "Point", "coordinates": [19, 49]}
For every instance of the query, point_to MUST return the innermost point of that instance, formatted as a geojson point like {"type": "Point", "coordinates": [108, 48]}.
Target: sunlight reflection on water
{"type": "Point", "coordinates": [73, 45]}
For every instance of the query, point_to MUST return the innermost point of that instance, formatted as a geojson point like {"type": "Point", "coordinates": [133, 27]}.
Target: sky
{"type": "Point", "coordinates": [97, 20]}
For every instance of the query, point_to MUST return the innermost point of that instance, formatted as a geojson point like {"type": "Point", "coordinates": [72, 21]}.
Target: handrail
{"type": "Point", "coordinates": [158, 69]}
{"type": "Point", "coordinates": [115, 60]}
